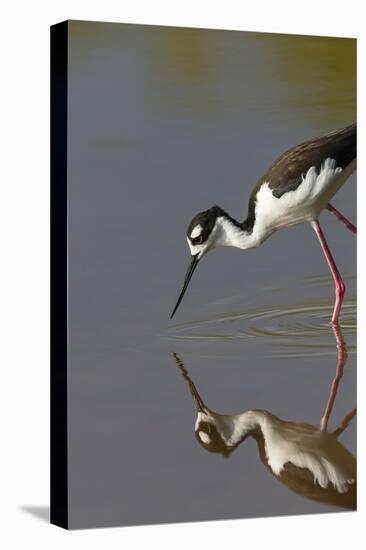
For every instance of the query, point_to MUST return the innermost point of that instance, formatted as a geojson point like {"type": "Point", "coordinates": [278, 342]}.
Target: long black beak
{"type": "Point", "coordinates": [190, 271]}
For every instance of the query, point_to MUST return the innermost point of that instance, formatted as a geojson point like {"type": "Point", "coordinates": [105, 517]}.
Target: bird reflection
{"type": "Point", "coordinates": [307, 459]}
{"type": "Point", "coordinates": [341, 361]}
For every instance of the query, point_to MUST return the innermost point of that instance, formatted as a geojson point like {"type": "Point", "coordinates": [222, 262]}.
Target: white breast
{"type": "Point", "coordinates": [302, 204]}
{"type": "Point", "coordinates": [306, 448]}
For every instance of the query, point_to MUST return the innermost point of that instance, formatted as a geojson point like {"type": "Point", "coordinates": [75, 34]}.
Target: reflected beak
{"type": "Point", "coordinates": [200, 406]}
{"type": "Point", "coordinates": [190, 271]}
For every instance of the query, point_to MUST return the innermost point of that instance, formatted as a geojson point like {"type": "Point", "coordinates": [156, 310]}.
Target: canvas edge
{"type": "Point", "coordinates": [58, 255]}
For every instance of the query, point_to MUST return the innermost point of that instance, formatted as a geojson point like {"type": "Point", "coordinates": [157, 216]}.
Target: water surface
{"type": "Point", "coordinates": [163, 123]}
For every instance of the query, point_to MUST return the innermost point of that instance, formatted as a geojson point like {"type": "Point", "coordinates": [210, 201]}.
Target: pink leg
{"type": "Point", "coordinates": [345, 423]}
{"type": "Point", "coordinates": [342, 356]}
{"type": "Point", "coordinates": [339, 284]}
{"type": "Point", "coordinates": [342, 219]}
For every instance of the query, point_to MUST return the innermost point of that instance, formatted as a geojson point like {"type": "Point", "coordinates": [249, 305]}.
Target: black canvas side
{"type": "Point", "coordinates": [59, 489]}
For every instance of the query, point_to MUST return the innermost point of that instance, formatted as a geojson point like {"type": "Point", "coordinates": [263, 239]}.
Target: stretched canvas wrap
{"type": "Point", "coordinates": [228, 390]}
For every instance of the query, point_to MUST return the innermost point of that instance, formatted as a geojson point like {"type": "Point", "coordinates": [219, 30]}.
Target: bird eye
{"type": "Point", "coordinates": [206, 426]}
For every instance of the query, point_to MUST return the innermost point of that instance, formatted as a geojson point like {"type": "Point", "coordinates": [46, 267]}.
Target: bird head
{"type": "Point", "coordinates": [209, 437]}
{"type": "Point", "coordinates": [203, 234]}
{"type": "Point", "coordinates": [211, 429]}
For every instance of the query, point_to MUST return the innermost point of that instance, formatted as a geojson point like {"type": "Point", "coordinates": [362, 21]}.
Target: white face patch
{"type": "Point", "coordinates": [201, 248]}
{"type": "Point", "coordinates": [195, 248]}
{"type": "Point", "coordinates": [204, 437]}
{"type": "Point", "coordinates": [196, 232]}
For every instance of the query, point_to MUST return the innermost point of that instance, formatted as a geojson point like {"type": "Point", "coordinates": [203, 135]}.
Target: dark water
{"type": "Point", "coordinates": [163, 123]}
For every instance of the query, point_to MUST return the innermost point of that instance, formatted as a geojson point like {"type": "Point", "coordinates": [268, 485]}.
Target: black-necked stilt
{"type": "Point", "coordinates": [296, 188]}
{"type": "Point", "coordinates": [308, 460]}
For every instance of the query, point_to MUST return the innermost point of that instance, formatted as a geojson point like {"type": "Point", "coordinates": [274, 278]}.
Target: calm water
{"type": "Point", "coordinates": [163, 123]}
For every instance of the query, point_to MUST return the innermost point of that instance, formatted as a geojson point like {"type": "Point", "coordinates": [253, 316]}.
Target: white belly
{"type": "Point", "coordinates": [303, 204]}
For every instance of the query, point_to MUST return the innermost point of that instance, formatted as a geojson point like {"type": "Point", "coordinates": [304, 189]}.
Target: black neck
{"type": "Point", "coordinates": [247, 225]}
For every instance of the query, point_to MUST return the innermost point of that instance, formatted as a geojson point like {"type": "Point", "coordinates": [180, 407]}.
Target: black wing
{"type": "Point", "coordinates": [286, 173]}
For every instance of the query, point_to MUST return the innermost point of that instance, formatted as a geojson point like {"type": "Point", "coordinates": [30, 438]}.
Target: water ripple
{"type": "Point", "coordinates": [287, 328]}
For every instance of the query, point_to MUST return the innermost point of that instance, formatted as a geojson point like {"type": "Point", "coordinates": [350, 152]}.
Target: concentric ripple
{"type": "Point", "coordinates": [289, 329]}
